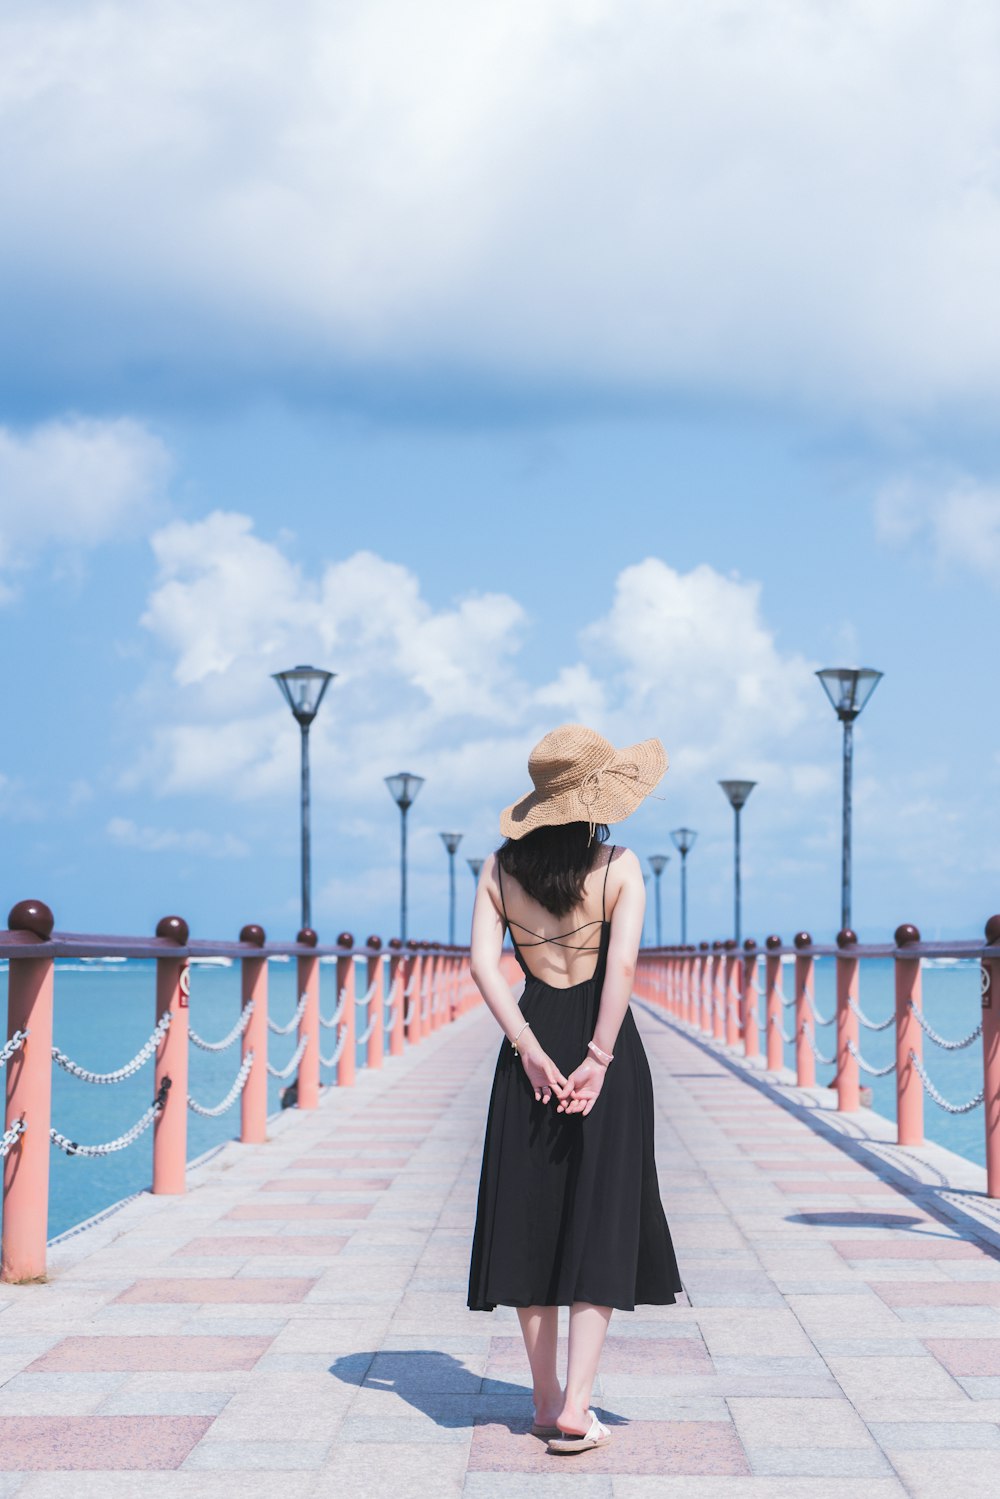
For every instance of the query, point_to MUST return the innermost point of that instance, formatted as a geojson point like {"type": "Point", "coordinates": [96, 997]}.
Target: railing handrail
{"type": "Point", "coordinates": [960, 948]}
{"type": "Point", "coordinates": [85, 945]}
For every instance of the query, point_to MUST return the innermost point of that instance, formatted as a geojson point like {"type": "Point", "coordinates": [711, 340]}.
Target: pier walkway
{"type": "Point", "coordinates": [295, 1325]}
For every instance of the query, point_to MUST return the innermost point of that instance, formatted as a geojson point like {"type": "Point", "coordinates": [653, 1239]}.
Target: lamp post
{"type": "Point", "coordinates": [737, 792]}
{"type": "Point", "coordinates": [403, 788]}
{"type": "Point", "coordinates": [475, 865]}
{"type": "Point", "coordinates": [684, 843]}
{"type": "Point", "coordinates": [658, 863]}
{"type": "Point", "coordinates": [302, 688]}
{"type": "Point", "coordinates": [848, 689]}
{"type": "Point", "coordinates": [451, 842]}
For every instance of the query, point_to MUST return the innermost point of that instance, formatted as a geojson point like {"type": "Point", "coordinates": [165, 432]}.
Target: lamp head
{"type": "Point", "coordinates": [403, 788]}
{"type": "Point", "coordinates": [658, 863]}
{"type": "Point", "coordinates": [849, 688]}
{"type": "Point", "coordinates": [451, 841]}
{"type": "Point", "coordinates": [683, 839]}
{"type": "Point", "coordinates": [737, 792]}
{"type": "Point", "coordinates": [303, 688]}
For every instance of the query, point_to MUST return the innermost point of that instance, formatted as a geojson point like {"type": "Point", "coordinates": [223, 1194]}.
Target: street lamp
{"type": "Point", "coordinates": [451, 842]}
{"type": "Point", "coordinates": [848, 689]}
{"type": "Point", "coordinates": [737, 792]}
{"type": "Point", "coordinates": [475, 865]}
{"type": "Point", "coordinates": [684, 843]}
{"type": "Point", "coordinates": [302, 688]}
{"type": "Point", "coordinates": [658, 863]}
{"type": "Point", "coordinates": [403, 788]}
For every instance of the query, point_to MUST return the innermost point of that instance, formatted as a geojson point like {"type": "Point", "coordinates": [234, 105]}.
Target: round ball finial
{"type": "Point", "coordinates": [703, 947]}
{"type": "Point", "coordinates": [32, 916]}
{"type": "Point", "coordinates": [253, 934]}
{"type": "Point", "coordinates": [375, 943]}
{"type": "Point", "coordinates": [907, 934]}
{"type": "Point", "coordinates": [345, 939]}
{"type": "Point", "coordinates": [993, 929]}
{"type": "Point", "coordinates": [749, 945]}
{"type": "Point", "coordinates": [847, 938]}
{"type": "Point", "coordinates": [730, 944]}
{"type": "Point", "coordinates": [307, 937]}
{"type": "Point", "coordinates": [175, 928]}
{"type": "Point", "coordinates": [803, 939]}
{"type": "Point", "coordinates": [773, 942]}
{"type": "Point", "coordinates": [395, 944]}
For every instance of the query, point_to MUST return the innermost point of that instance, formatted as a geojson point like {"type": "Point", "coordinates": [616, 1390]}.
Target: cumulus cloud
{"type": "Point", "coordinates": [128, 834]}
{"type": "Point", "coordinates": [765, 196]}
{"type": "Point", "coordinates": [955, 517]}
{"type": "Point", "coordinates": [74, 483]}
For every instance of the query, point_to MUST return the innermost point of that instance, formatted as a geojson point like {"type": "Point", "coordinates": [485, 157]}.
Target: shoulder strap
{"type": "Point", "coordinates": [604, 891]}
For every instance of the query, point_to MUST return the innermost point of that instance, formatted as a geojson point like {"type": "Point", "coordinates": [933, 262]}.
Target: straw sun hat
{"type": "Point", "coordinates": [579, 776]}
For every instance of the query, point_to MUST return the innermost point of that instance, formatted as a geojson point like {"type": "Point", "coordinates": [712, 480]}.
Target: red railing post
{"type": "Point", "coordinates": [774, 1017]}
{"type": "Point", "coordinates": [731, 993]}
{"type": "Point", "coordinates": [397, 988]}
{"type": "Point", "coordinates": [413, 1004]}
{"type": "Point", "coordinates": [848, 1080]}
{"type": "Point", "coordinates": [805, 1029]}
{"type": "Point", "coordinates": [751, 1024]}
{"type": "Point", "coordinates": [307, 987]}
{"type": "Point", "coordinates": [909, 1037]}
{"type": "Point", "coordinates": [434, 976]}
{"type": "Point", "coordinates": [375, 1010]}
{"type": "Point", "coordinates": [347, 1064]}
{"type": "Point", "coordinates": [991, 1059]}
{"type": "Point", "coordinates": [173, 989]}
{"type": "Point", "coordinates": [29, 1098]}
{"type": "Point", "coordinates": [253, 1102]}
{"type": "Point", "coordinates": [719, 992]}
{"type": "Point", "coordinates": [705, 990]}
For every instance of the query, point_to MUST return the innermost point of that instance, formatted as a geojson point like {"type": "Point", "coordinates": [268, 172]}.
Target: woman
{"type": "Point", "coordinates": [569, 1207]}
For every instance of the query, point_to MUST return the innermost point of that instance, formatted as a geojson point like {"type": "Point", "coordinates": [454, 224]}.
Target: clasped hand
{"type": "Point", "coordinates": [577, 1093]}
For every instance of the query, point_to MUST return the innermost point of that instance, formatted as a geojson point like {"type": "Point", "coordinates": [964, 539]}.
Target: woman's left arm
{"type": "Point", "coordinates": [623, 949]}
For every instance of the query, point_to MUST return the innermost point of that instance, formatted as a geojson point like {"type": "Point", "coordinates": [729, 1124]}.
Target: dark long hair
{"type": "Point", "coordinates": [552, 863]}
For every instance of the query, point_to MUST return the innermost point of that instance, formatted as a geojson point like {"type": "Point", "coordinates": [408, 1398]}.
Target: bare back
{"type": "Point", "coordinates": [562, 951]}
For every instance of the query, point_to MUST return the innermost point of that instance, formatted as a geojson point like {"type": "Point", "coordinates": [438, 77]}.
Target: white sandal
{"type": "Point", "coordinates": [598, 1435]}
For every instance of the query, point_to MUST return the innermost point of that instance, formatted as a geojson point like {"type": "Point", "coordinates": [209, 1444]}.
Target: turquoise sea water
{"type": "Point", "coordinates": [104, 1012]}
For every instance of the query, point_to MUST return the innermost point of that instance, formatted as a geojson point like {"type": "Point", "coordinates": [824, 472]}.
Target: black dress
{"type": "Point", "coordinates": [569, 1206]}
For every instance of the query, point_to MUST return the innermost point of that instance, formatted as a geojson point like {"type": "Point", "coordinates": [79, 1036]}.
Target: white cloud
{"type": "Point", "coordinates": [954, 516]}
{"type": "Point", "coordinates": [127, 834]}
{"type": "Point", "coordinates": [74, 483]}
{"type": "Point", "coordinates": [765, 196]}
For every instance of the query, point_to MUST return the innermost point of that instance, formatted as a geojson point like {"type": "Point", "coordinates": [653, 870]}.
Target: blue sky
{"type": "Point", "coordinates": [599, 366]}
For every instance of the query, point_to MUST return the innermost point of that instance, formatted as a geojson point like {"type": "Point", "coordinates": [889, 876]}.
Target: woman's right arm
{"type": "Point", "coordinates": [487, 948]}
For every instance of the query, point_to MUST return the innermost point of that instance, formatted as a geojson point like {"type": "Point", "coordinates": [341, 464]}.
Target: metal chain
{"type": "Point", "coordinates": [367, 998]}
{"type": "Point", "coordinates": [10, 1137]}
{"type": "Point", "coordinates": [370, 1028]}
{"type": "Point", "coordinates": [785, 1003]}
{"type": "Point", "coordinates": [942, 1103]}
{"type": "Point", "coordinates": [332, 1061]}
{"type": "Point", "coordinates": [16, 1041]}
{"type": "Point", "coordinates": [139, 1060]}
{"type": "Point", "coordinates": [883, 1025]}
{"type": "Point", "coordinates": [781, 1030]}
{"type": "Point", "coordinates": [334, 1019]}
{"type": "Point", "coordinates": [815, 1013]}
{"type": "Point", "coordinates": [234, 1034]}
{"type": "Point", "coordinates": [73, 1147]}
{"type": "Point", "coordinates": [286, 1030]}
{"type": "Point", "coordinates": [873, 1071]}
{"type": "Point", "coordinates": [231, 1096]}
{"type": "Point", "coordinates": [939, 1040]}
{"type": "Point", "coordinates": [290, 1067]}
{"type": "Point", "coordinates": [815, 1049]}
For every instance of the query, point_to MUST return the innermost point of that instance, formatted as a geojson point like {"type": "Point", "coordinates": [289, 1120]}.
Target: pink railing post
{"type": "Point", "coordinates": [397, 987]}
{"type": "Point", "coordinates": [705, 990]}
{"type": "Point", "coordinates": [848, 1080]}
{"type": "Point", "coordinates": [347, 1065]}
{"type": "Point", "coordinates": [173, 989]}
{"type": "Point", "coordinates": [307, 987]}
{"type": "Point", "coordinates": [719, 992]}
{"type": "Point", "coordinates": [413, 983]}
{"type": "Point", "coordinates": [731, 993]}
{"type": "Point", "coordinates": [773, 1008]}
{"type": "Point", "coordinates": [909, 1037]}
{"type": "Point", "coordinates": [253, 1102]}
{"type": "Point", "coordinates": [434, 980]}
{"type": "Point", "coordinates": [805, 1029]}
{"type": "Point", "coordinates": [690, 986]}
{"type": "Point", "coordinates": [991, 1059]}
{"type": "Point", "coordinates": [751, 1024]}
{"type": "Point", "coordinates": [29, 1098]}
{"type": "Point", "coordinates": [375, 1011]}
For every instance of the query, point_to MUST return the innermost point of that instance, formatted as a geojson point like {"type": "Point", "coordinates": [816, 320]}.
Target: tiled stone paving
{"type": "Point", "coordinates": [296, 1325]}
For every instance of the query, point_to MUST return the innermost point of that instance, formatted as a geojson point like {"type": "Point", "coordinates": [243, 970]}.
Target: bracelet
{"type": "Point", "coordinates": [525, 1027]}
{"type": "Point", "coordinates": [604, 1057]}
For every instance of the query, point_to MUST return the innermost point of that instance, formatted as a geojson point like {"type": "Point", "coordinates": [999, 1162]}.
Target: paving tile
{"type": "Point", "coordinates": [906, 1436]}
{"type": "Point", "coordinates": [966, 1355]}
{"type": "Point", "coordinates": [769, 1423]}
{"type": "Point", "coordinates": [934, 1293]}
{"type": "Point", "coordinates": [272, 1244]}
{"type": "Point", "coordinates": [296, 1211]}
{"type": "Point", "coordinates": [637, 1447]}
{"type": "Point", "coordinates": [917, 1246]}
{"type": "Point", "coordinates": [327, 1184]}
{"type": "Point", "coordinates": [272, 1457]}
{"type": "Point", "coordinates": [244, 1289]}
{"type": "Point", "coordinates": [102, 1442]}
{"type": "Point", "coordinates": [81, 1354]}
{"type": "Point", "coordinates": [804, 1462]}
{"type": "Point", "coordinates": [928, 1475]}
